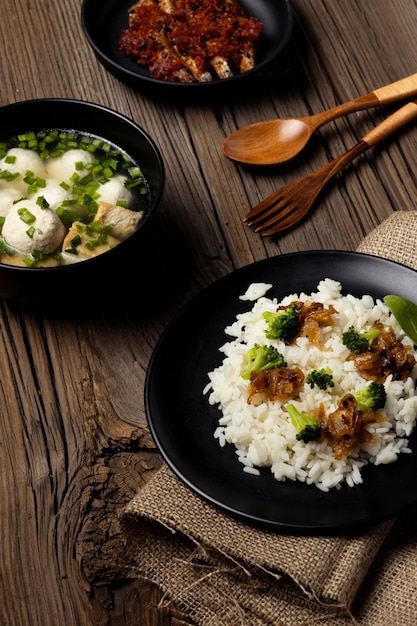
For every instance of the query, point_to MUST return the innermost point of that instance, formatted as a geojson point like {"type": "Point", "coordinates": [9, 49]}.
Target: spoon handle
{"type": "Point", "coordinates": [379, 133]}
{"type": "Point", "coordinates": [399, 90]}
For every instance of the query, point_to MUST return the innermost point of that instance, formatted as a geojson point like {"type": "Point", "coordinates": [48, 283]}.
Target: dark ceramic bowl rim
{"type": "Point", "coordinates": [113, 61]}
{"type": "Point", "coordinates": [156, 199]}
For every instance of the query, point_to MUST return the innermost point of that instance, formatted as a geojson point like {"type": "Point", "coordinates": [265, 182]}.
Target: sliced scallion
{"type": "Point", "coordinates": [25, 215]}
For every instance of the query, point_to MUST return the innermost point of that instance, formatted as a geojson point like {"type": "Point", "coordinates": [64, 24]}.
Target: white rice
{"type": "Point", "coordinates": [264, 436]}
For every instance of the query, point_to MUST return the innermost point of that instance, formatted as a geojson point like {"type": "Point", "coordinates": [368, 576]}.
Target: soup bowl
{"type": "Point", "coordinates": [34, 282]}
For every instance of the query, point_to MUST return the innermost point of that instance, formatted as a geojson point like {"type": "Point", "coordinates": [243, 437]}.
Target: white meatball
{"type": "Point", "coordinates": [54, 194]}
{"type": "Point", "coordinates": [23, 161]}
{"type": "Point", "coordinates": [63, 167]}
{"type": "Point", "coordinates": [45, 233]}
{"type": "Point", "coordinates": [7, 197]}
{"type": "Point", "coordinates": [114, 190]}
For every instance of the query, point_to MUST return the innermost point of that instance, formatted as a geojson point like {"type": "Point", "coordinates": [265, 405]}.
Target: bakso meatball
{"type": "Point", "coordinates": [114, 190]}
{"type": "Point", "coordinates": [20, 161]}
{"type": "Point", "coordinates": [62, 168]}
{"type": "Point", "coordinates": [54, 194]}
{"type": "Point", "coordinates": [28, 227]}
{"type": "Point", "coordinates": [7, 198]}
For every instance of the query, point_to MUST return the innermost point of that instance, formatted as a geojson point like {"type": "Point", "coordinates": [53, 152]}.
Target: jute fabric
{"type": "Point", "coordinates": [222, 572]}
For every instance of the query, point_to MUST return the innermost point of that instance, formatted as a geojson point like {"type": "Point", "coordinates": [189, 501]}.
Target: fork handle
{"type": "Point", "coordinates": [380, 132]}
{"type": "Point", "coordinates": [385, 128]}
{"type": "Point", "coordinates": [391, 124]}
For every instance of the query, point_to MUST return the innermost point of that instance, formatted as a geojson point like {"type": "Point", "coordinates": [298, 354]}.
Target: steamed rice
{"type": "Point", "coordinates": [263, 435]}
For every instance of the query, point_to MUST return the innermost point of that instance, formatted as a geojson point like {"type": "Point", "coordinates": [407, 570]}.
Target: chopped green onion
{"type": "Point", "coordinates": [42, 202]}
{"type": "Point", "coordinates": [25, 215]}
{"type": "Point", "coordinates": [9, 176]}
{"type": "Point", "coordinates": [75, 241]}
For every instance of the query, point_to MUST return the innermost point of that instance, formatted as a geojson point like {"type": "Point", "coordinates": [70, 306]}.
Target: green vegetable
{"type": "Point", "coordinates": [405, 312]}
{"type": "Point", "coordinates": [42, 202]}
{"type": "Point", "coordinates": [372, 398]}
{"type": "Point", "coordinates": [307, 426]}
{"type": "Point", "coordinates": [359, 342]}
{"type": "Point", "coordinates": [25, 215]}
{"type": "Point", "coordinates": [261, 358]}
{"type": "Point", "coordinates": [321, 378]}
{"type": "Point", "coordinates": [283, 324]}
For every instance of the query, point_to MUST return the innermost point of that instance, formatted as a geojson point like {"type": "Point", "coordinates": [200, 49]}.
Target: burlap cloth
{"type": "Point", "coordinates": [219, 571]}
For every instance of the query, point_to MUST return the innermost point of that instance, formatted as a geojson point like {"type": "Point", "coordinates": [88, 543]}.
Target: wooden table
{"type": "Point", "coordinates": [74, 445]}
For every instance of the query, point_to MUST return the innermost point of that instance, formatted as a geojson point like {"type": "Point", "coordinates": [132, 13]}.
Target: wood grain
{"type": "Point", "coordinates": [74, 443]}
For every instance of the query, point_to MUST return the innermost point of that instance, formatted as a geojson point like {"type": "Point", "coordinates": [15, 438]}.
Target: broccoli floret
{"type": "Point", "coordinates": [372, 398]}
{"type": "Point", "coordinates": [359, 342]}
{"type": "Point", "coordinates": [307, 426]}
{"type": "Point", "coordinates": [261, 358]}
{"type": "Point", "coordinates": [283, 324]}
{"type": "Point", "coordinates": [323, 378]}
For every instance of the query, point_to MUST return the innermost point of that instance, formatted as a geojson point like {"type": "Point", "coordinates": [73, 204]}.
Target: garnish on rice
{"type": "Point", "coordinates": [298, 319]}
{"type": "Point", "coordinates": [346, 427]}
{"type": "Point", "coordinates": [275, 384]}
{"type": "Point", "coordinates": [381, 356]}
{"type": "Point", "coordinates": [361, 405]}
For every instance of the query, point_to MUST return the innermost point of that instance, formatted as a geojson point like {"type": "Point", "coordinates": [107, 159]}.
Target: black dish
{"type": "Point", "coordinates": [103, 21]}
{"type": "Point", "coordinates": [29, 284]}
{"type": "Point", "coordinates": [182, 422]}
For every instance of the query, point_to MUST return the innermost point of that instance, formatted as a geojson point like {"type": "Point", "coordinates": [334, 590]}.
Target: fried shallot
{"type": "Point", "coordinates": [386, 355]}
{"type": "Point", "coordinates": [345, 428]}
{"type": "Point", "coordinates": [279, 383]}
{"type": "Point", "coordinates": [313, 316]}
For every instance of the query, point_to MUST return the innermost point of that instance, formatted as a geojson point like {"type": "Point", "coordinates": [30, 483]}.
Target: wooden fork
{"type": "Point", "coordinates": [287, 206]}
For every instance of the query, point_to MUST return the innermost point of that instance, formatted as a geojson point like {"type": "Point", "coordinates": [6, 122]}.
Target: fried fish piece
{"type": "Point", "coordinates": [122, 222]}
{"type": "Point", "coordinates": [83, 242]}
{"type": "Point", "coordinates": [221, 67]}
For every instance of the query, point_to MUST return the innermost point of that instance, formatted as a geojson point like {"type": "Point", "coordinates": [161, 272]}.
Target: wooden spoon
{"type": "Point", "coordinates": [276, 141]}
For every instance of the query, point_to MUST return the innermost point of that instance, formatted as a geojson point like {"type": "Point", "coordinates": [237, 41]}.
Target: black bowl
{"type": "Point", "coordinates": [31, 284]}
{"type": "Point", "coordinates": [103, 21]}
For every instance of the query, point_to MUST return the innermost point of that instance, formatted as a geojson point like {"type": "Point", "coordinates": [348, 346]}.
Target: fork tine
{"type": "Point", "coordinates": [278, 226]}
{"type": "Point", "coordinates": [287, 206]}
{"type": "Point", "coordinates": [279, 212]}
{"type": "Point", "coordinates": [265, 208]}
{"type": "Point", "coordinates": [282, 219]}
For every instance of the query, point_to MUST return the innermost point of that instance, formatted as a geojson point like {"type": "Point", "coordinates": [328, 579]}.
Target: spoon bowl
{"type": "Point", "coordinates": [257, 144]}
{"type": "Point", "coordinates": [277, 141]}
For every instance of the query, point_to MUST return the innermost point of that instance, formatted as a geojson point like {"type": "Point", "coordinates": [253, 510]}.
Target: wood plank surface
{"type": "Point", "coordinates": [74, 444]}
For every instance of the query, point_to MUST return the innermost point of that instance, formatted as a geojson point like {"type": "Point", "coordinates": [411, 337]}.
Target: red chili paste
{"type": "Point", "coordinates": [184, 44]}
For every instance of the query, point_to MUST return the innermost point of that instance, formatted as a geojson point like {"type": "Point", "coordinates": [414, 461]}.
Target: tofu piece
{"type": "Point", "coordinates": [123, 222]}
{"type": "Point", "coordinates": [83, 242]}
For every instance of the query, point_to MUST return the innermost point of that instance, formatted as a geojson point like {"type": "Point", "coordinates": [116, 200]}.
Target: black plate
{"type": "Point", "coordinates": [103, 21]}
{"type": "Point", "coordinates": [182, 422]}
